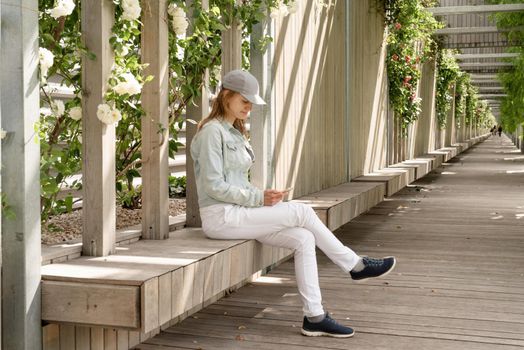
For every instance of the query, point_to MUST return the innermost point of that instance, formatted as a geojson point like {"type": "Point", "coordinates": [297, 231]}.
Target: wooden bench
{"type": "Point", "coordinates": [149, 285]}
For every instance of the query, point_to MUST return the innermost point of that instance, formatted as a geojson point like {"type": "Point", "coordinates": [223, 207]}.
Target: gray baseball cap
{"type": "Point", "coordinates": [245, 84]}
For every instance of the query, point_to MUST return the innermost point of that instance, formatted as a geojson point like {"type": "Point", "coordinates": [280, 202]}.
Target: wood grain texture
{"type": "Point", "coordinates": [450, 290]}
{"type": "Point", "coordinates": [155, 100]}
{"type": "Point", "coordinates": [117, 306]}
{"type": "Point", "coordinates": [98, 148]}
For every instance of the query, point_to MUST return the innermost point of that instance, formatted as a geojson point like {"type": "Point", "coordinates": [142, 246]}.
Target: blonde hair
{"type": "Point", "coordinates": [219, 110]}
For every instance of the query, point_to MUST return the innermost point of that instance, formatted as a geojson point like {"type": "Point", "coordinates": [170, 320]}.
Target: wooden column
{"type": "Point", "coordinates": [21, 247]}
{"type": "Point", "coordinates": [99, 139]}
{"type": "Point", "coordinates": [155, 101]}
{"type": "Point", "coordinates": [0, 187]}
{"type": "Point", "coordinates": [450, 121]}
{"type": "Point", "coordinates": [426, 123]}
{"type": "Point", "coordinates": [195, 112]}
{"type": "Point", "coordinates": [262, 117]}
{"type": "Point", "coordinates": [232, 47]}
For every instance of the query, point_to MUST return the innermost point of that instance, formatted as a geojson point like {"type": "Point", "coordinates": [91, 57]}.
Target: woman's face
{"type": "Point", "coordinates": [238, 107]}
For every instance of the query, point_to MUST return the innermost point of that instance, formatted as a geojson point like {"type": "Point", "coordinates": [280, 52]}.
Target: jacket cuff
{"type": "Point", "coordinates": [259, 198]}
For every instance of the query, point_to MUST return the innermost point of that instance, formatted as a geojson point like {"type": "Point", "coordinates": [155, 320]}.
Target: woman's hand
{"type": "Point", "coordinates": [272, 197]}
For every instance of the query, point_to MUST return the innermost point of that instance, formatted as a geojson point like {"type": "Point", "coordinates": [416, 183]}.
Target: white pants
{"type": "Point", "coordinates": [289, 225]}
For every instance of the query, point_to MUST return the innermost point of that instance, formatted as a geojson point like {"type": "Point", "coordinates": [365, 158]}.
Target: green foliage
{"type": "Point", "coordinates": [190, 57]}
{"type": "Point", "coordinates": [471, 104]}
{"type": "Point", "coordinates": [512, 106]}
{"type": "Point", "coordinates": [410, 44]}
{"type": "Point", "coordinates": [7, 211]}
{"type": "Point", "coordinates": [177, 186]}
{"type": "Point", "coordinates": [461, 92]}
{"type": "Point", "coordinates": [447, 73]}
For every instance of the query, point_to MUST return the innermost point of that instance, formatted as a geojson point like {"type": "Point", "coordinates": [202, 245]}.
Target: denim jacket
{"type": "Point", "coordinates": [222, 158]}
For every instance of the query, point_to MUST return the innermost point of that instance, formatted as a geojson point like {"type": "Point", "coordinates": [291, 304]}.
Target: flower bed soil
{"type": "Point", "coordinates": [67, 227]}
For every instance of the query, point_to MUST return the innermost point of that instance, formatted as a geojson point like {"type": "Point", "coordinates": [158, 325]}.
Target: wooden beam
{"type": "Point", "coordinates": [481, 76]}
{"type": "Point", "coordinates": [20, 161]}
{"type": "Point", "coordinates": [480, 44]}
{"type": "Point", "coordinates": [470, 30]}
{"type": "Point", "coordinates": [491, 88]}
{"type": "Point", "coordinates": [262, 117]}
{"type": "Point", "coordinates": [486, 64]}
{"type": "Point", "coordinates": [155, 141]}
{"type": "Point", "coordinates": [98, 172]}
{"type": "Point", "coordinates": [470, 56]}
{"type": "Point", "coordinates": [91, 303]}
{"type": "Point", "coordinates": [232, 46]}
{"type": "Point", "coordinates": [473, 9]}
{"type": "Point", "coordinates": [1, 57]}
{"type": "Point", "coordinates": [491, 96]}
{"type": "Point", "coordinates": [195, 112]}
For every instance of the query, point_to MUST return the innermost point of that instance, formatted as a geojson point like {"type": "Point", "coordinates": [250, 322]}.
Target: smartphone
{"type": "Point", "coordinates": [288, 189]}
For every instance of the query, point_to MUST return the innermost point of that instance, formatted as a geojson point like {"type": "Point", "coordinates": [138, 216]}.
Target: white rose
{"type": "Point", "coordinates": [45, 111]}
{"type": "Point", "coordinates": [179, 25]}
{"type": "Point", "coordinates": [58, 108]}
{"type": "Point", "coordinates": [75, 113]}
{"type": "Point", "coordinates": [179, 22]}
{"type": "Point", "coordinates": [280, 11]}
{"type": "Point", "coordinates": [292, 7]}
{"type": "Point", "coordinates": [124, 51]}
{"type": "Point", "coordinates": [116, 115]}
{"type": "Point", "coordinates": [3, 134]}
{"type": "Point", "coordinates": [171, 9]}
{"type": "Point", "coordinates": [107, 115]}
{"type": "Point", "coordinates": [103, 113]}
{"type": "Point", "coordinates": [284, 11]}
{"type": "Point", "coordinates": [46, 59]}
{"type": "Point", "coordinates": [62, 8]}
{"type": "Point", "coordinates": [131, 10]}
{"type": "Point", "coordinates": [129, 86]}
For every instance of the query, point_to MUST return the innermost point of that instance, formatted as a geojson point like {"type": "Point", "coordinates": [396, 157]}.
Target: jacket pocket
{"type": "Point", "coordinates": [232, 156]}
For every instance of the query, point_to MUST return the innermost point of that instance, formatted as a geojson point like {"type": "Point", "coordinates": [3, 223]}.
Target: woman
{"type": "Point", "coordinates": [232, 208]}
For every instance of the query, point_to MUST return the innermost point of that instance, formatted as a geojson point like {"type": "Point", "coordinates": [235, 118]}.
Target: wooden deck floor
{"type": "Point", "coordinates": [458, 235]}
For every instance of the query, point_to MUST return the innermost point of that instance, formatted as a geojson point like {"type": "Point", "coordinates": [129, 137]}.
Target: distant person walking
{"type": "Point", "coordinates": [500, 130]}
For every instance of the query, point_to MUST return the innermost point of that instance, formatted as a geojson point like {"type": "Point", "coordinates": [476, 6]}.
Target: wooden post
{"type": "Point", "coordinates": [262, 117]}
{"type": "Point", "coordinates": [155, 101]}
{"type": "Point", "coordinates": [450, 122]}
{"type": "Point", "coordinates": [21, 247]}
{"type": "Point", "coordinates": [98, 173]}
{"type": "Point", "coordinates": [426, 123]}
{"type": "Point", "coordinates": [0, 186]}
{"type": "Point", "coordinates": [195, 112]}
{"type": "Point", "coordinates": [232, 47]}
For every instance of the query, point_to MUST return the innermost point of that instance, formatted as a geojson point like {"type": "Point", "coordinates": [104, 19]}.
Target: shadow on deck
{"type": "Point", "coordinates": [459, 238]}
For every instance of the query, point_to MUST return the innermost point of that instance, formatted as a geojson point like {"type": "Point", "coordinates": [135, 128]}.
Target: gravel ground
{"type": "Point", "coordinates": [67, 227]}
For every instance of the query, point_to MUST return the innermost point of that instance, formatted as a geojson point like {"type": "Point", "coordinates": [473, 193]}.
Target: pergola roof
{"type": "Point", "coordinates": [482, 46]}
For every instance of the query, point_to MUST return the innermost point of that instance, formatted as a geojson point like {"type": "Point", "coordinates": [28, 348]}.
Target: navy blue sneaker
{"type": "Point", "coordinates": [374, 268]}
{"type": "Point", "coordinates": [327, 327]}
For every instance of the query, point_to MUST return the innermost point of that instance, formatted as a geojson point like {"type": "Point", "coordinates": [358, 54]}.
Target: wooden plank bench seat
{"type": "Point", "coordinates": [148, 285]}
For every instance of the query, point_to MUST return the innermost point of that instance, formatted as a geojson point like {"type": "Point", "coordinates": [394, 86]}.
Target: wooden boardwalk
{"type": "Point", "coordinates": [458, 234]}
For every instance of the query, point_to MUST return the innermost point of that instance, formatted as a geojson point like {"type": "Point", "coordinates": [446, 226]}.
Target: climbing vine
{"type": "Point", "coordinates": [461, 92]}
{"type": "Point", "coordinates": [512, 106]}
{"type": "Point", "coordinates": [447, 73]}
{"type": "Point", "coordinates": [410, 27]}
{"type": "Point", "coordinates": [194, 48]}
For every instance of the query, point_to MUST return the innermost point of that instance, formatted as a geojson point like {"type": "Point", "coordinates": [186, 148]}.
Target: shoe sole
{"type": "Point", "coordinates": [384, 274]}
{"type": "Point", "coordinates": [324, 334]}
